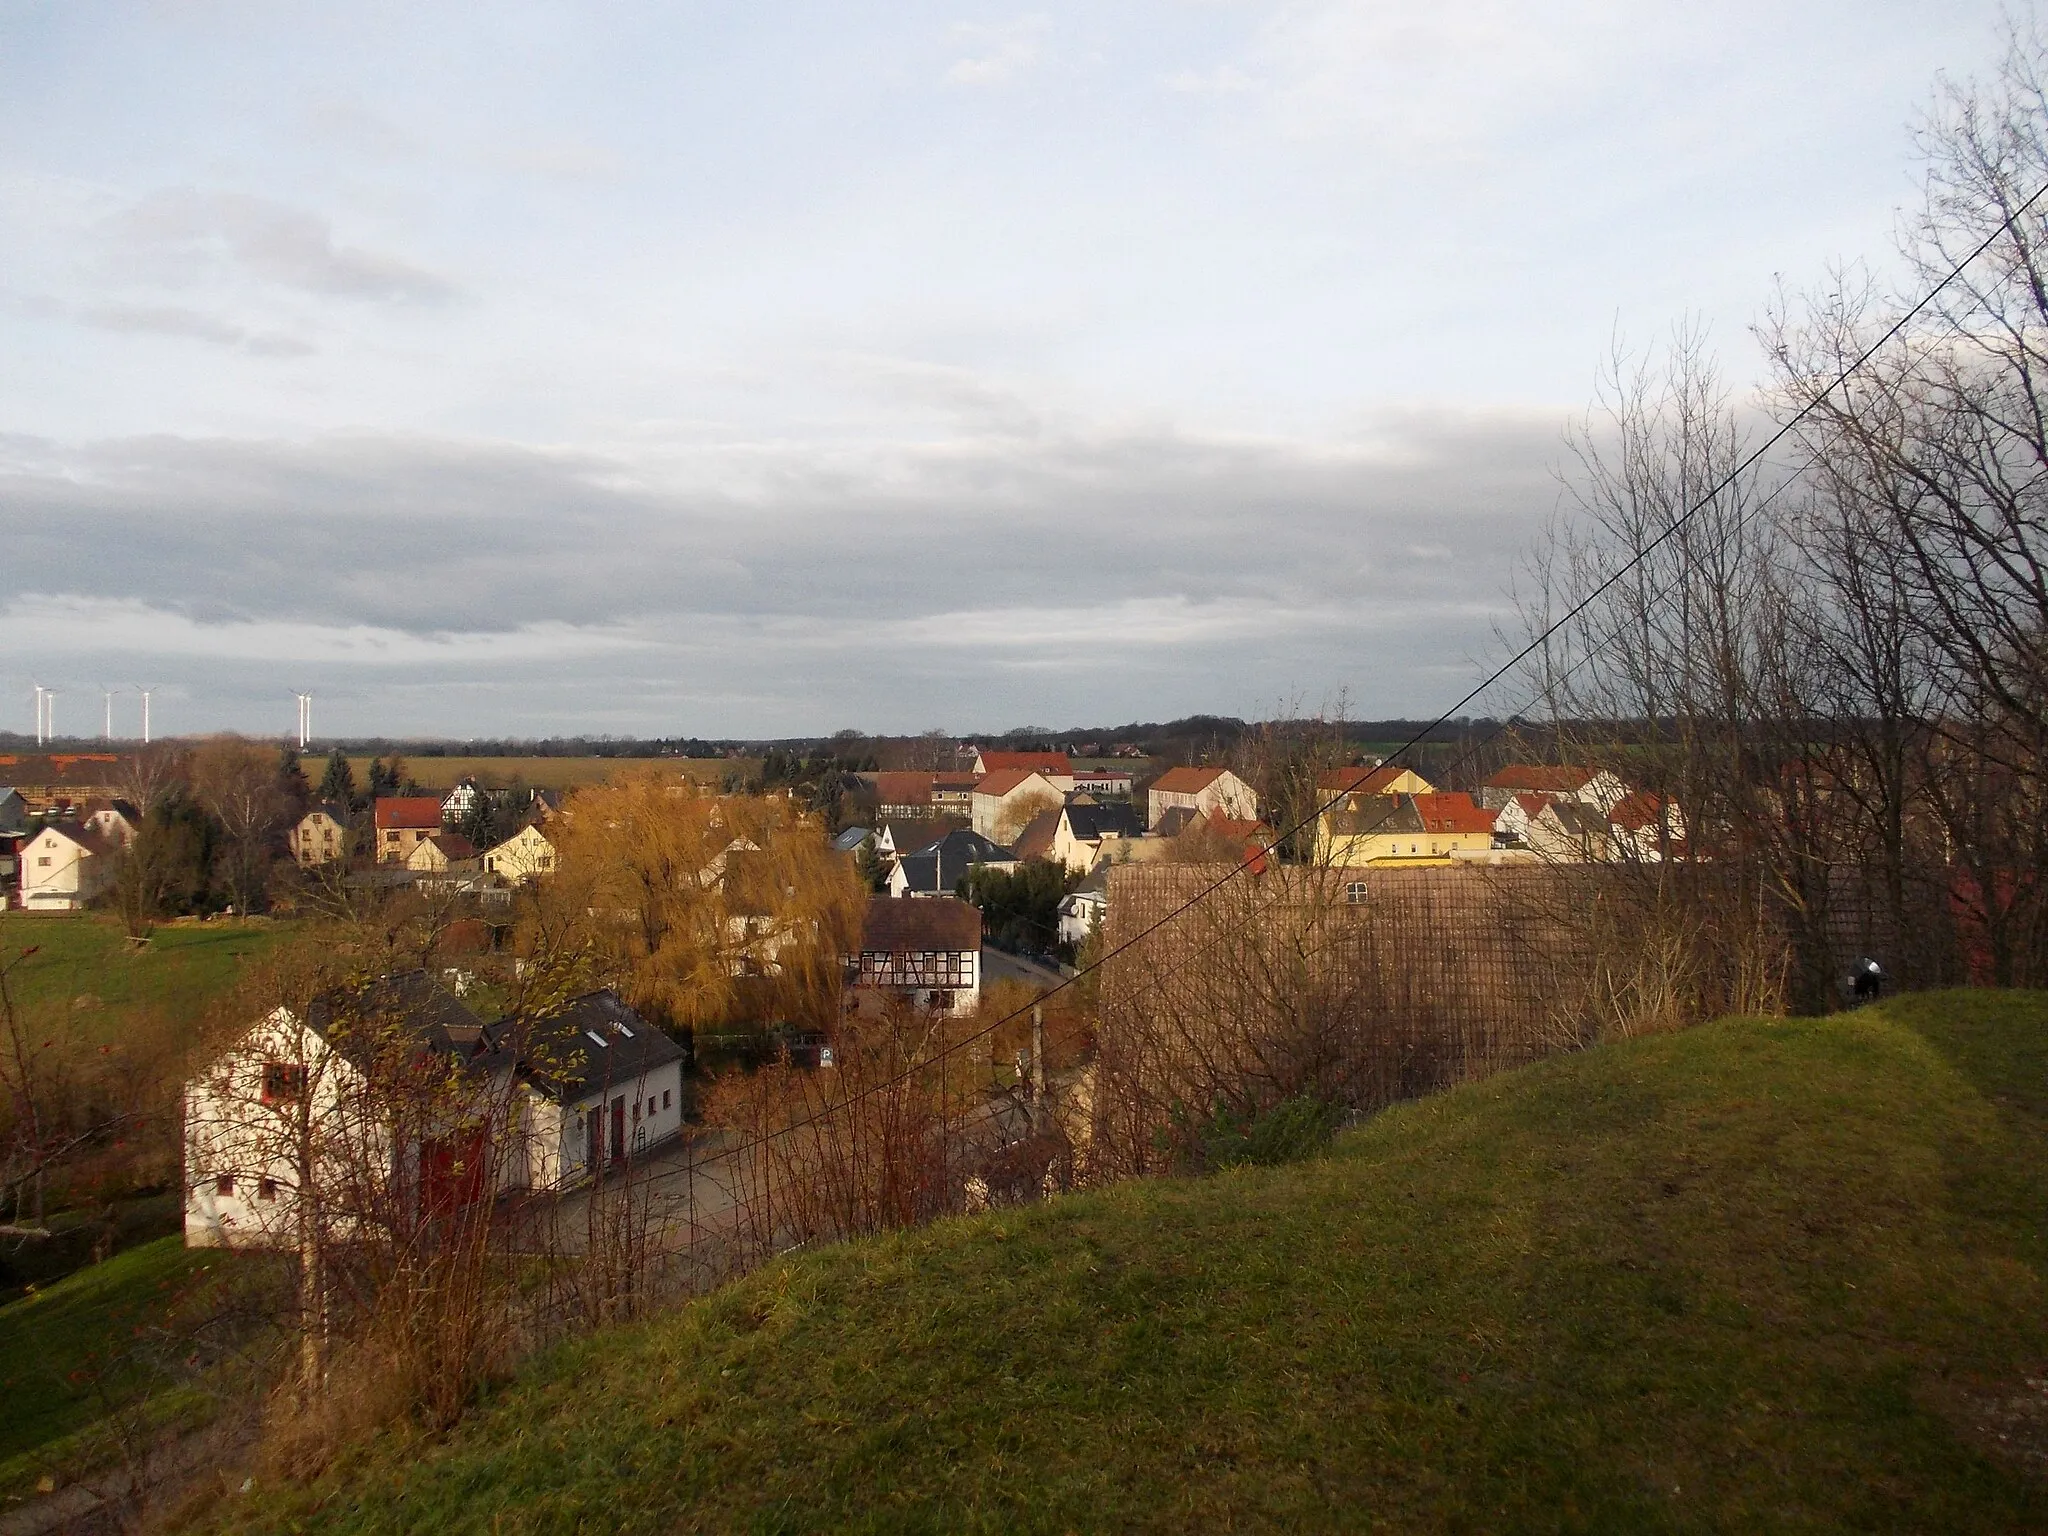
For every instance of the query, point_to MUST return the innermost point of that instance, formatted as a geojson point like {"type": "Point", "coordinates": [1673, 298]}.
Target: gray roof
{"type": "Point", "coordinates": [851, 839]}
{"type": "Point", "coordinates": [1395, 815]}
{"type": "Point", "coordinates": [939, 866]}
{"type": "Point", "coordinates": [591, 1043]}
{"type": "Point", "coordinates": [1091, 823]}
{"type": "Point", "coordinates": [360, 1021]}
{"type": "Point", "coordinates": [1577, 818]}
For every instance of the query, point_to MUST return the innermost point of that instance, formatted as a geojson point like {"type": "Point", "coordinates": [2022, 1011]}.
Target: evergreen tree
{"type": "Point", "coordinates": [338, 784]}
{"type": "Point", "coordinates": [383, 780]}
{"type": "Point", "coordinates": [293, 792]}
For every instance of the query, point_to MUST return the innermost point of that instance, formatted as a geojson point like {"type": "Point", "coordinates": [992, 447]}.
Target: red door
{"type": "Point", "coordinates": [593, 1137]}
{"type": "Point", "coordinates": [619, 1129]}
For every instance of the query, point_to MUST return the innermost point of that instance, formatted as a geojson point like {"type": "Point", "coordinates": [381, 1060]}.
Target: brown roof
{"type": "Point", "coordinates": [1531, 804]}
{"type": "Point", "coordinates": [1187, 781]}
{"type": "Point", "coordinates": [1035, 841]}
{"type": "Point", "coordinates": [1004, 781]}
{"type": "Point", "coordinates": [903, 788]}
{"type": "Point", "coordinates": [1042, 762]}
{"type": "Point", "coordinates": [408, 813]}
{"type": "Point", "coordinates": [943, 923]}
{"type": "Point", "coordinates": [1542, 778]}
{"type": "Point", "coordinates": [87, 769]}
{"type": "Point", "coordinates": [454, 845]}
{"type": "Point", "coordinates": [1453, 812]}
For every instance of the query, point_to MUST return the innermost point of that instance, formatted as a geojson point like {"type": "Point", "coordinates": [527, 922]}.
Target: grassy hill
{"type": "Point", "coordinates": [1767, 1275]}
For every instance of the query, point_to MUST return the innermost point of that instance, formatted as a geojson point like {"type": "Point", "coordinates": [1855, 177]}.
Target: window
{"type": "Point", "coordinates": [942, 999]}
{"type": "Point", "coordinates": [664, 1098]}
{"type": "Point", "coordinates": [224, 1185]}
{"type": "Point", "coordinates": [1355, 892]}
{"type": "Point", "coordinates": [282, 1082]}
{"type": "Point", "coordinates": [266, 1189]}
{"type": "Point", "coordinates": [43, 862]}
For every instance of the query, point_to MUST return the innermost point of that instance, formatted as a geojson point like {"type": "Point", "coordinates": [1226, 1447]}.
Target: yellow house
{"type": "Point", "coordinates": [1403, 829]}
{"type": "Point", "coordinates": [450, 853]}
{"type": "Point", "coordinates": [322, 835]}
{"type": "Point", "coordinates": [525, 855]}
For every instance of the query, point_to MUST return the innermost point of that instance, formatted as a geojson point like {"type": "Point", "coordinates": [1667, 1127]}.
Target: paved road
{"type": "Point", "coordinates": [1001, 965]}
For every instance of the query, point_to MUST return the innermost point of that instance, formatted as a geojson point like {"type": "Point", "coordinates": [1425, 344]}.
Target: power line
{"type": "Point", "coordinates": [1577, 610]}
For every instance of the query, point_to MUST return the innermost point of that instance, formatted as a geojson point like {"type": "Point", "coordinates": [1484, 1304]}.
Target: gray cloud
{"type": "Point", "coordinates": [1067, 576]}
{"type": "Point", "coordinates": [186, 230]}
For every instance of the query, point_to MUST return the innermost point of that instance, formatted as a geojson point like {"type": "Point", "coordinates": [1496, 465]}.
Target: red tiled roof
{"type": "Point", "coordinates": [1452, 812]}
{"type": "Point", "coordinates": [408, 813]}
{"type": "Point", "coordinates": [1043, 762]}
{"type": "Point", "coordinates": [1542, 778]}
{"type": "Point", "coordinates": [1634, 812]}
{"type": "Point", "coordinates": [1532, 804]}
{"type": "Point", "coordinates": [1187, 781]}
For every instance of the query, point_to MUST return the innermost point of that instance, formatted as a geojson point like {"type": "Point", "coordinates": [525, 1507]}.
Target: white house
{"type": "Point", "coordinates": [939, 866]}
{"type": "Point", "coordinates": [526, 855]}
{"type": "Point", "coordinates": [1597, 787]}
{"type": "Point", "coordinates": [308, 1110]}
{"type": "Point", "coordinates": [1085, 832]}
{"type": "Point", "coordinates": [1202, 791]}
{"type": "Point", "coordinates": [318, 1109]}
{"type": "Point", "coordinates": [65, 868]}
{"type": "Point", "coordinates": [114, 820]}
{"type": "Point", "coordinates": [1005, 801]}
{"type": "Point", "coordinates": [1057, 767]}
{"type": "Point", "coordinates": [460, 801]}
{"type": "Point", "coordinates": [602, 1086]}
{"type": "Point", "coordinates": [926, 952]}
{"type": "Point", "coordinates": [1083, 909]}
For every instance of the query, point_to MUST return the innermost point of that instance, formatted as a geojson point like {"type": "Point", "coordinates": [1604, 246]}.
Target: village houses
{"type": "Point", "coordinates": [1201, 791]}
{"type": "Point", "coordinates": [522, 858]}
{"type": "Point", "coordinates": [924, 953]}
{"type": "Point", "coordinates": [401, 823]}
{"type": "Point", "coordinates": [312, 1108]}
{"type": "Point", "coordinates": [321, 836]}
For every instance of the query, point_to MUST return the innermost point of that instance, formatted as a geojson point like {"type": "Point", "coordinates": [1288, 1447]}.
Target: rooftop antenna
{"type": "Point", "coordinates": [305, 718]}
{"type": "Point", "coordinates": [145, 692]}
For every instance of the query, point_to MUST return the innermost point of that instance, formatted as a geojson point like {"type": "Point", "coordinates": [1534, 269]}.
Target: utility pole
{"type": "Point", "coordinates": [1038, 1066]}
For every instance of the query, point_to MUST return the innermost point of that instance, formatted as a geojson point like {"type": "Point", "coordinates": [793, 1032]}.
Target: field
{"type": "Point", "coordinates": [85, 967]}
{"type": "Point", "coordinates": [1763, 1275]}
{"type": "Point", "coordinates": [443, 773]}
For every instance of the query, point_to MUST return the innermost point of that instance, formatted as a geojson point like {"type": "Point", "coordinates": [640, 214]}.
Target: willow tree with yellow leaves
{"type": "Point", "coordinates": [704, 908]}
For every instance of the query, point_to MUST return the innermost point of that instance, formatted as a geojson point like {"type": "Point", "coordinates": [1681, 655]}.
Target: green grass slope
{"type": "Point", "coordinates": [83, 964]}
{"type": "Point", "coordinates": [68, 1352]}
{"type": "Point", "coordinates": [1766, 1275]}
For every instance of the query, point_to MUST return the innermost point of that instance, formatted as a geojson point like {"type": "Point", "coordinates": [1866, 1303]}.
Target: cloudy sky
{"type": "Point", "coordinates": [741, 369]}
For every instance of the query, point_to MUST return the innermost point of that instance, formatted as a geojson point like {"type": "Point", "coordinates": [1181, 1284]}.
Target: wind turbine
{"type": "Point", "coordinates": [145, 692]}
{"type": "Point", "coordinates": [305, 718]}
{"type": "Point", "coordinates": [107, 698]}
{"type": "Point", "coordinates": [40, 691]}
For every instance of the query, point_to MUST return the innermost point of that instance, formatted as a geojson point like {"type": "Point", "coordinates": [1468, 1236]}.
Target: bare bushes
{"type": "Point", "coordinates": [875, 1141]}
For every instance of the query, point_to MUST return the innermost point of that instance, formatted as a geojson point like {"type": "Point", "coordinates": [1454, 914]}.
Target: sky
{"type": "Point", "coordinates": [743, 370]}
